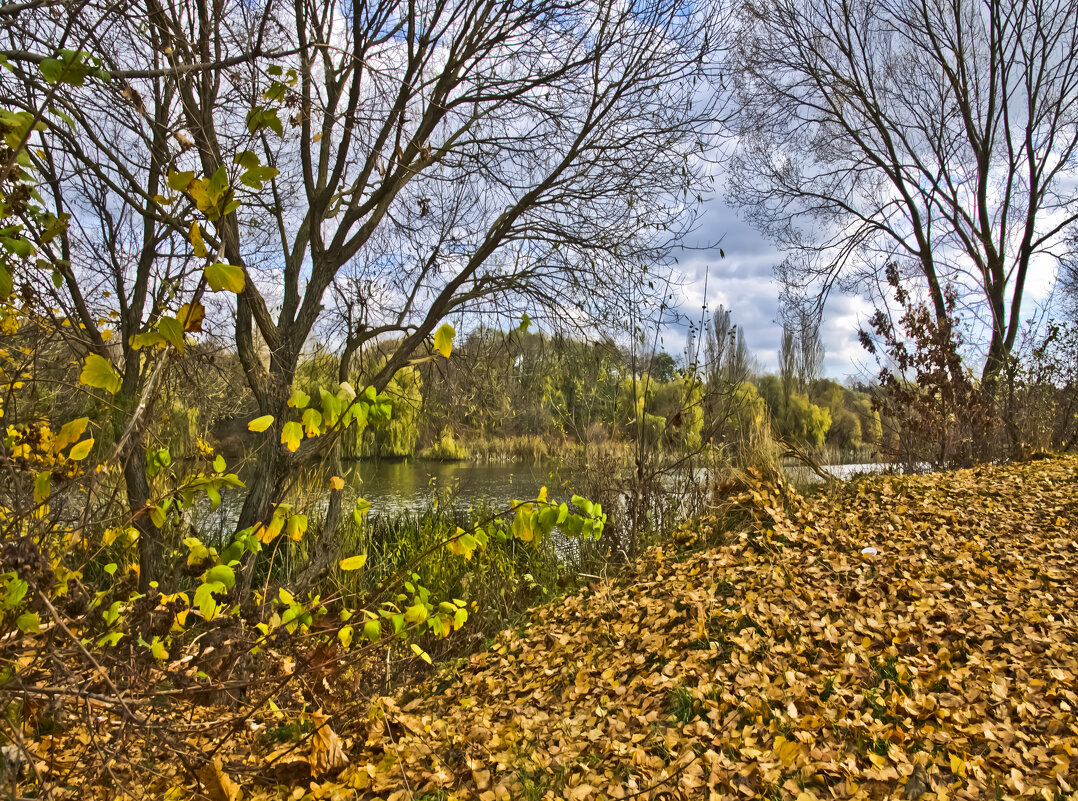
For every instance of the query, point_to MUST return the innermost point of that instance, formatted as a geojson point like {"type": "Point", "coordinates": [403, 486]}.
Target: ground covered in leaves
{"type": "Point", "coordinates": [785, 662]}
{"type": "Point", "coordinates": [770, 653]}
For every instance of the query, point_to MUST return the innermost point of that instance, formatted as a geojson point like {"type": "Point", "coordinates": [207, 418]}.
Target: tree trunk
{"type": "Point", "coordinates": [150, 547]}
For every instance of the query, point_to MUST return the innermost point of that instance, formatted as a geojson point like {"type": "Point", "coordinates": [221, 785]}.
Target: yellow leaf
{"type": "Point", "coordinates": [337, 483]}
{"type": "Point", "coordinates": [225, 276]}
{"type": "Point", "coordinates": [69, 433]}
{"type": "Point", "coordinates": [97, 371]}
{"type": "Point", "coordinates": [958, 765]}
{"type": "Point", "coordinates": [443, 339]}
{"type": "Point", "coordinates": [219, 787]}
{"type": "Point", "coordinates": [327, 752]}
{"type": "Point", "coordinates": [296, 527]}
{"type": "Point", "coordinates": [299, 399]}
{"type": "Point", "coordinates": [421, 654]}
{"type": "Point", "coordinates": [192, 315]}
{"type": "Point", "coordinates": [292, 435]}
{"type": "Point", "coordinates": [197, 242]}
{"type": "Point", "coordinates": [354, 562]}
{"type": "Point", "coordinates": [260, 424]}
{"type": "Point", "coordinates": [81, 450]}
{"type": "Point", "coordinates": [787, 750]}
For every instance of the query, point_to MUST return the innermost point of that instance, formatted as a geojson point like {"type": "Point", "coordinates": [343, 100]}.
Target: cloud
{"type": "Point", "coordinates": [729, 263]}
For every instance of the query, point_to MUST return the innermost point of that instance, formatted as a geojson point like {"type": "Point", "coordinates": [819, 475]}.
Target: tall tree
{"type": "Point", "coordinates": [940, 134]}
{"type": "Point", "coordinates": [450, 154]}
{"type": "Point", "coordinates": [728, 359]}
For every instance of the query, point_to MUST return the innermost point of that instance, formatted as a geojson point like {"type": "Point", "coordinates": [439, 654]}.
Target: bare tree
{"type": "Point", "coordinates": [938, 133]}
{"type": "Point", "coordinates": [801, 350]}
{"type": "Point", "coordinates": [461, 152]}
{"type": "Point", "coordinates": [810, 349]}
{"type": "Point", "coordinates": [728, 359]}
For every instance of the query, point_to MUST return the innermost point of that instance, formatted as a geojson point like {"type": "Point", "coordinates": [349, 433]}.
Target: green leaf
{"type": "Point", "coordinates": [147, 339]}
{"type": "Point", "coordinates": [158, 649]}
{"type": "Point", "coordinates": [421, 653]}
{"type": "Point", "coordinates": [443, 339]}
{"type": "Point", "coordinates": [179, 181]}
{"type": "Point", "coordinates": [247, 159]}
{"type": "Point", "coordinates": [584, 504]}
{"type": "Point", "coordinates": [110, 639]}
{"type": "Point", "coordinates": [219, 464]}
{"type": "Point", "coordinates": [354, 562]}
{"type": "Point", "coordinates": [256, 176]}
{"type": "Point", "coordinates": [292, 435]}
{"type": "Point", "coordinates": [261, 117]}
{"type": "Point", "coordinates": [28, 622]}
{"type": "Point", "coordinates": [98, 372]}
{"type": "Point", "coordinates": [416, 613]}
{"type": "Point", "coordinates": [172, 330]}
{"type": "Point", "coordinates": [51, 69]}
{"type": "Point", "coordinates": [372, 630]}
{"type": "Point", "coordinates": [260, 424]}
{"type": "Point", "coordinates": [81, 450]}
{"type": "Point", "coordinates": [42, 484]}
{"type": "Point", "coordinates": [204, 600]}
{"type": "Point", "coordinates": [6, 281]}
{"type": "Point", "coordinates": [18, 246]}
{"type": "Point", "coordinates": [217, 185]}
{"type": "Point", "coordinates": [299, 399]}
{"type": "Point", "coordinates": [223, 574]}
{"type": "Point", "coordinates": [225, 276]}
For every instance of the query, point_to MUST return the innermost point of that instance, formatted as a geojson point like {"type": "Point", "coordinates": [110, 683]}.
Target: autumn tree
{"type": "Point", "coordinates": [941, 134]}
{"type": "Point", "coordinates": [441, 156]}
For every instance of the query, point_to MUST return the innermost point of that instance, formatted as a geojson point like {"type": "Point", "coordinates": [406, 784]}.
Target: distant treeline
{"type": "Point", "coordinates": [527, 394]}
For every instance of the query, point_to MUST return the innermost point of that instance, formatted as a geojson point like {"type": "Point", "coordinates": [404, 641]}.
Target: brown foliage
{"type": "Point", "coordinates": [784, 661]}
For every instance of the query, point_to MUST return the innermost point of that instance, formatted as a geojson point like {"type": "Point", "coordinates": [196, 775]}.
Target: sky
{"type": "Point", "coordinates": [743, 281]}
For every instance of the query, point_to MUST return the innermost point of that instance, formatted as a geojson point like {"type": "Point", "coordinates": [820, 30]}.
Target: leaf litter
{"type": "Point", "coordinates": [784, 662]}
{"type": "Point", "coordinates": [762, 654]}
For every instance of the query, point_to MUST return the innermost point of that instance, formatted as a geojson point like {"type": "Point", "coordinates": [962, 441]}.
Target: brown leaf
{"type": "Point", "coordinates": [217, 784]}
{"type": "Point", "coordinates": [327, 753]}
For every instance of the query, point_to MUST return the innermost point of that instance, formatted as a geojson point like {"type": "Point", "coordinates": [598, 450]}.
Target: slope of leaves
{"type": "Point", "coordinates": [784, 663]}
{"type": "Point", "coordinates": [780, 661]}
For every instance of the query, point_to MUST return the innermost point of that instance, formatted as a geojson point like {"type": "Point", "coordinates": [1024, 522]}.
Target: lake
{"type": "Point", "coordinates": [395, 487]}
{"type": "Point", "coordinates": [409, 487]}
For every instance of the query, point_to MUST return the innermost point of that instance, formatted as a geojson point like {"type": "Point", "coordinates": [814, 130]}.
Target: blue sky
{"type": "Point", "coordinates": [744, 282]}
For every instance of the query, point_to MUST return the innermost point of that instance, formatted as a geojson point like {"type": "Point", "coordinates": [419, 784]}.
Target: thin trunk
{"type": "Point", "coordinates": [150, 546]}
